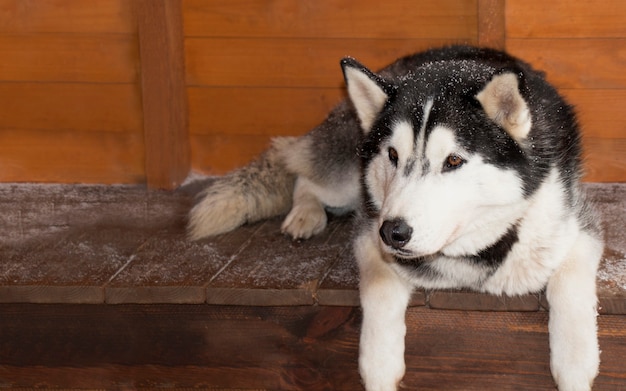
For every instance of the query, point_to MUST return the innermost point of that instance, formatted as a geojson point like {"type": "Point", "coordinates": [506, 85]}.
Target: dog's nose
{"type": "Point", "coordinates": [395, 233]}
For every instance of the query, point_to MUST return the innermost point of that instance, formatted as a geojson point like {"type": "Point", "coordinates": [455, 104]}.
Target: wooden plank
{"type": "Point", "coordinates": [491, 23]}
{"type": "Point", "coordinates": [276, 111]}
{"type": "Point", "coordinates": [203, 346]}
{"type": "Point", "coordinates": [163, 92]}
{"type": "Point", "coordinates": [565, 19]}
{"type": "Point", "coordinates": [266, 273]}
{"type": "Point", "coordinates": [180, 277]}
{"type": "Point", "coordinates": [32, 212]}
{"type": "Point", "coordinates": [474, 301]}
{"type": "Point", "coordinates": [603, 124]}
{"type": "Point", "coordinates": [289, 62]}
{"type": "Point", "coordinates": [287, 348]}
{"type": "Point", "coordinates": [575, 63]}
{"type": "Point", "coordinates": [517, 346]}
{"type": "Point", "coordinates": [604, 159]}
{"type": "Point", "coordinates": [70, 156]}
{"type": "Point", "coordinates": [66, 16]}
{"type": "Point", "coordinates": [70, 107]}
{"type": "Point", "coordinates": [98, 58]}
{"type": "Point", "coordinates": [599, 111]}
{"type": "Point", "coordinates": [220, 153]}
{"type": "Point", "coordinates": [438, 19]}
{"type": "Point", "coordinates": [66, 268]}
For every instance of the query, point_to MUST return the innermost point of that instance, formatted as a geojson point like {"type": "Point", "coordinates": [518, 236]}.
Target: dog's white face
{"type": "Point", "coordinates": [451, 200]}
{"type": "Point", "coordinates": [434, 188]}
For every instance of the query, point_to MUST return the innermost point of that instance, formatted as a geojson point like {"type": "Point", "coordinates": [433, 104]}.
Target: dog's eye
{"type": "Point", "coordinates": [393, 156]}
{"type": "Point", "coordinates": [453, 162]}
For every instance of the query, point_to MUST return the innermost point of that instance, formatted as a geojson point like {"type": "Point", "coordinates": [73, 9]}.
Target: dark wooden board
{"type": "Point", "coordinates": [288, 348]}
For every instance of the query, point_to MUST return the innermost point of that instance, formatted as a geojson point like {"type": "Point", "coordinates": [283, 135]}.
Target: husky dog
{"type": "Point", "coordinates": [464, 165]}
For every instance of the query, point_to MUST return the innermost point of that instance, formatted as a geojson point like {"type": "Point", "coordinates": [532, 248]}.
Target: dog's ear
{"type": "Point", "coordinates": [504, 104]}
{"type": "Point", "coordinates": [368, 92]}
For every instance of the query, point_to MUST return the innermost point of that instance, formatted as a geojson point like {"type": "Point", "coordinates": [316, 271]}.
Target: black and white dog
{"type": "Point", "coordinates": [464, 164]}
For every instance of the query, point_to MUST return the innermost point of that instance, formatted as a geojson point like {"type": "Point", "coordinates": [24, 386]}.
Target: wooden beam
{"type": "Point", "coordinates": [160, 29]}
{"type": "Point", "coordinates": [491, 23]}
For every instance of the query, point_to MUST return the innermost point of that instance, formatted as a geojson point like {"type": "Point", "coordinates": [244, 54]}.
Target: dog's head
{"type": "Point", "coordinates": [444, 162]}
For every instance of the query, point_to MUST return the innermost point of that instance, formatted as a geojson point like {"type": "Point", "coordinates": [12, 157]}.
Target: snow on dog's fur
{"type": "Point", "coordinates": [466, 175]}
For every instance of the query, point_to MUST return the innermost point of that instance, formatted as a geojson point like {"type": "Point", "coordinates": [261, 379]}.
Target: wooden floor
{"type": "Point", "coordinates": [99, 289]}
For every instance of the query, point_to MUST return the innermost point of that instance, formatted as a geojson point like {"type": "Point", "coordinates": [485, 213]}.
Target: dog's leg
{"type": "Point", "coordinates": [571, 292]}
{"type": "Point", "coordinates": [384, 299]}
{"type": "Point", "coordinates": [307, 216]}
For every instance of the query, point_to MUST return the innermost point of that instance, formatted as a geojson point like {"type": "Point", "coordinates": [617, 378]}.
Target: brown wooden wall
{"type": "Point", "coordinates": [582, 47]}
{"type": "Point", "coordinates": [131, 91]}
{"type": "Point", "coordinates": [257, 69]}
{"type": "Point", "coordinates": [70, 106]}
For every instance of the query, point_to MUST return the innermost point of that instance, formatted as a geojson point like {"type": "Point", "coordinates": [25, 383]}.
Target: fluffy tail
{"type": "Point", "coordinates": [262, 189]}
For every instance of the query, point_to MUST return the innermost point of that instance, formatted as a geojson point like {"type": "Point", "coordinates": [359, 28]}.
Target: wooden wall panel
{"type": "Point", "coordinates": [66, 16]}
{"type": "Point", "coordinates": [604, 158]}
{"type": "Point", "coordinates": [604, 131]}
{"type": "Point", "coordinates": [70, 58]}
{"type": "Point", "coordinates": [565, 19]}
{"type": "Point", "coordinates": [582, 47]}
{"type": "Point", "coordinates": [261, 68]}
{"type": "Point", "coordinates": [68, 156]}
{"type": "Point", "coordinates": [576, 63]}
{"type": "Point", "coordinates": [491, 29]}
{"type": "Point", "coordinates": [277, 111]}
{"type": "Point", "coordinates": [221, 152]}
{"type": "Point", "coordinates": [313, 63]}
{"type": "Point", "coordinates": [70, 102]}
{"type": "Point", "coordinates": [599, 111]}
{"type": "Point", "coordinates": [78, 107]}
{"type": "Point", "coordinates": [73, 69]}
{"type": "Point", "coordinates": [404, 19]}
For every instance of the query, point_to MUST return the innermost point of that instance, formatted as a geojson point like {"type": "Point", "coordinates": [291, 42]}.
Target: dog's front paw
{"type": "Point", "coordinates": [577, 372]}
{"type": "Point", "coordinates": [381, 359]}
{"type": "Point", "coordinates": [306, 218]}
{"type": "Point", "coordinates": [574, 381]}
{"type": "Point", "coordinates": [381, 375]}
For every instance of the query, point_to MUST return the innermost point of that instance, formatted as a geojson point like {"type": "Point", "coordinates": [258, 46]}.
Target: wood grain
{"type": "Point", "coordinates": [220, 153]}
{"type": "Point", "coordinates": [64, 155]}
{"type": "Point", "coordinates": [403, 19]}
{"type": "Point", "coordinates": [288, 62]}
{"type": "Point", "coordinates": [576, 63]}
{"type": "Point", "coordinates": [604, 159]}
{"type": "Point", "coordinates": [92, 58]}
{"type": "Point", "coordinates": [299, 276]}
{"type": "Point", "coordinates": [603, 125]}
{"type": "Point", "coordinates": [66, 16]}
{"type": "Point", "coordinates": [598, 111]}
{"type": "Point", "coordinates": [79, 107]}
{"type": "Point", "coordinates": [491, 23]}
{"type": "Point", "coordinates": [565, 19]}
{"type": "Point", "coordinates": [287, 348]}
{"type": "Point", "coordinates": [277, 111]}
{"type": "Point", "coordinates": [70, 110]}
{"type": "Point", "coordinates": [163, 91]}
